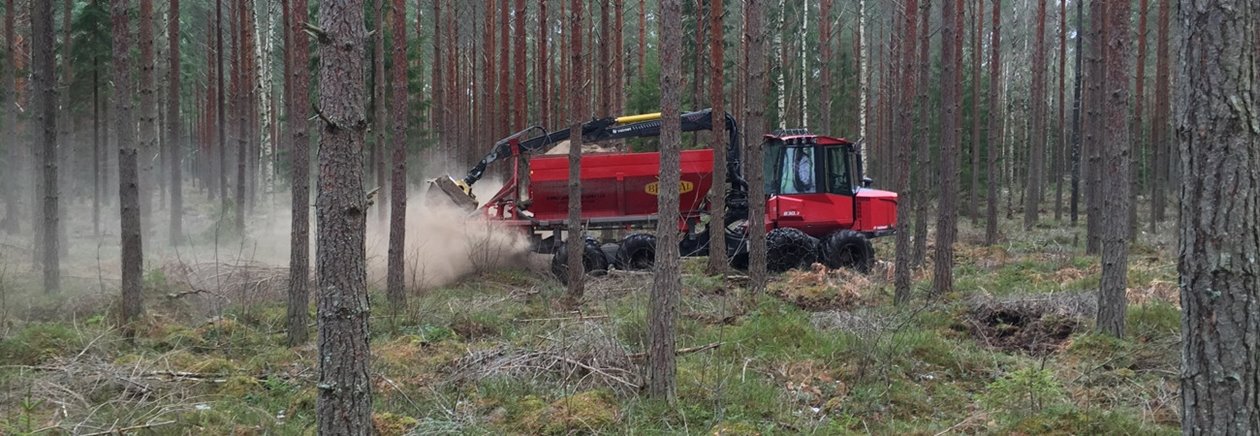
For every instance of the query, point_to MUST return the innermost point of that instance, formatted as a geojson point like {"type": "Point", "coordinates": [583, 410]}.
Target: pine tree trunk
{"type": "Point", "coordinates": [505, 63]}
{"type": "Point", "coordinates": [1093, 127]}
{"type": "Point", "coordinates": [1163, 114]}
{"type": "Point", "coordinates": [299, 230]}
{"type": "Point", "coordinates": [904, 142]}
{"type": "Point", "coordinates": [240, 100]}
{"type": "Point", "coordinates": [1037, 97]}
{"type": "Point", "coordinates": [128, 173]}
{"type": "Point", "coordinates": [44, 85]}
{"type": "Point", "coordinates": [577, 113]}
{"type": "Point", "coordinates": [1074, 205]}
{"type": "Point", "coordinates": [619, 58]}
{"type": "Point", "coordinates": [922, 154]}
{"type": "Point", "coordinates": [8, 93]}
{"type": "Point", "coordinates": [824, 55]}
{"type": "Point", "coordinates": [221, 111]}
{"type": "Point", "coordinates": [1218, 102]}
{"type": "Point", "coordinates": [344, 404]}
{"type": "Point", "coordinates": [174, 130]}
{"type": "Point", "coordinates": [1060, 128]}
{"type": "Point", "coordinates": [98, 152]}
{"type": "Point", "coordinates": [757, 80]}
{"type": "Point", "coordinates": [717, 100]}
{"type": "Point", "coordinates": [604, 105]}
{"type": "Point", "coordinates": [951, 55]}
{"type": "Point", "coordinates": [379, 118]}
{"type": "Point", "coordinates": [437, 84]}
{"type": "Point", "coordinates": [995, 125]}
{"type": "Point", "coordinates": [973, 201]}
{"type": "Point", "coordinates": [1116, 184]}
{"type": "Point", "coordinates": [395, 284]}
{"type": "Point", "coordinates": [521, 104]}
{"type": "Point", "coordinates": [1137, 130]}
{"type": "Point", "coordinates": [666, 283]}
{"type": "Point", "coordinates": [148, 114]}
{"type": "Point", "coordinates": [544, 61]}
{"type": "Point", "coordinates": [642, 35]}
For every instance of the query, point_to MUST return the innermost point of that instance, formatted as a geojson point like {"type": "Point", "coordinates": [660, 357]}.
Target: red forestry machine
{"type": "Point", "coordinates": [819, 207]}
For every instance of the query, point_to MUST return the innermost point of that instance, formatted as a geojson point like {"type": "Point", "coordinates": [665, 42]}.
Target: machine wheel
{"type": "Point", "coordinates": [788, 248]}
{"type": "Point", "coordinates": [848, 249]}
{"type": "Point", "coordinates": [610, 253]}
{"type": "Point", "coordinates": [637, 252]}
{"type": "Point", "coordinates": [593, 261]}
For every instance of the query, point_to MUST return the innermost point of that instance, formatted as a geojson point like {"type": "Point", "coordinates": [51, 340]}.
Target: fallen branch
{"type": "Point", "coordinates": [132, 428]}
{"type": "Point", "coordinates": [598, 371]}
{"type": "Point", "coordinates": [679, 352]}
{"type": "Point", "coordinates": [569, 318]}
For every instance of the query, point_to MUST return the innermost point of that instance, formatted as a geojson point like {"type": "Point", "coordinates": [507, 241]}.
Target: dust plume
{"type": "Point", "coordinates": [445, 243]}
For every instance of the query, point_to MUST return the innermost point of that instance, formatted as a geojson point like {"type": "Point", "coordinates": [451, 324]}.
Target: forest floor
{"type": "Point", "coordinates": [823, 352]}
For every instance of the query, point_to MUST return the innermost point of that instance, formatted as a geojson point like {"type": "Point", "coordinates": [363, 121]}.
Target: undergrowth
{"type": "Point", "coordinates": [823, 353]}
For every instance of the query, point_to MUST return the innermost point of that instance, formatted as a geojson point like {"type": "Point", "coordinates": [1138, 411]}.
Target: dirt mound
{"type": "Point", "coordinates": [1035, 324]}
{"type": "Point", "coordinates": [821, 288]}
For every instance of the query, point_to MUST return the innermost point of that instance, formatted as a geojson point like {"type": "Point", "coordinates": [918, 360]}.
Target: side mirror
{"type": "Point", "coordinates": [866, 182]}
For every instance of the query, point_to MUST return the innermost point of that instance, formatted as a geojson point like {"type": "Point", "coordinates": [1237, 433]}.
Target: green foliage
{"type": "Point", "coordinates": [37, 343]}
{"type": "Point", "coordinates": [1024, 392]}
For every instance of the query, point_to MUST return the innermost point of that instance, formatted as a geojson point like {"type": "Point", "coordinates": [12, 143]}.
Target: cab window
{"type": "Point", "coordinates": [839, 179]}
{"type": "Point", "coordinates": [797, 175]}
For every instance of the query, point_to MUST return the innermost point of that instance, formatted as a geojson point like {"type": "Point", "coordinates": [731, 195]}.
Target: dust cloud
{"type": "Point", "coordinates": [445, 243]}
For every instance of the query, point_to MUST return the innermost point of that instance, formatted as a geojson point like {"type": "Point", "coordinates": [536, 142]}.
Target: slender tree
{"type": "Point", "coordinates": [438, 81]}
{"type": "Point", "coordinates": [1074, 204]}
{"type": "Point", "coordinates": [128, 173]}
{"type": "Point", "coordinates": [544, 62]}
{"type": "Point", "coordinates": [241, 103]}
{"type": "Point", "coordinates": [755, 103]}
{"type": "Point", "coordinates": [379, 119]}
{"type": "Point", "coordinates": [920, 194]}
{"type": "Point", "coordinates": [220, 108]}
{"type": "Point", "coordinates": [45, 85]}
{"type": "Point", "coordinates": [642, 35]}
{"type": "Point", "coordinates": [717, 60]}
{"type": "Point", "coordinates": [973, 193]}
{"type": "Point", "coordinates": [8, 122]}
{"type": "Point", "coordinates": [904, 141]}
{"type": "Point", "coordinates": [1061, 129]}
{"type": "Point", "coordinates": [824, 55]}
{"type": "Point", "coordinates": [1094, 128]}
{"type": "Point", "coordinates": [943, 277]}
{"type": "Point", "coordinates": [1217, 103]}
{"type": "Point", "coordinates": [174, 130]}
{"type": "Point", "coordinates": [148, 114]}
{"type": "Point", "coordinates": [344, 404]}
{"type": "Point", "coordinates": [995, 123]}
{"type": "Point", "coordinates": [1037, 97]}
{"type": "Point", "coordinates": [666, 283]}
{"type": "Point", "coordinates": [518, 94]}
{"type": "Point", "coordinates": [398, 179]}
{"type": "Point", "coordinates": [1163, 113]}
{"type": "Point", "coordinates": [1115, 188]}
{"type": "Point", "coordinates": [1137, 130]}
{"type": "Point", "coordinates": [577, 109]}
{"type": "Point", "coordinates": [299, 230]}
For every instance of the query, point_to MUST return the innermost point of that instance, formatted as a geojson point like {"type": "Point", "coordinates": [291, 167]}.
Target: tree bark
{"type": "Point", "coordinates": [1074, 205]}
{"type": "Point", "coordinates": [642, 35]}
{"type": "Point", "coordinates": [577, 109]}
{"type": "Point", "coordinates": [1060, 128]}
{"type": "Point", "coordinates": [1137, 130]}
{"type": "Point", "coordinates": [1217, 106]}
{"type": "Point", "coordinates": [1037, 97]}
{"type": "Point", "coordinates": [1093, 126]}
{"type": "Point", "coordinates": [973, 193]}
{"type": "Point", "coordinates": [544, 61]}
{"type": "Point", "coordinates": [344, 404]}
{"type": "Point", "coordinates": [666, 283]}
{"type": "Point", "coordinates": [922, 152]}
{"type": "Point", "coordinates": [395, 284]}
{"type": "Point", "coordinates": [174, 130]}
{"type": "Point", "coordinates": [44, 74]}
{"type": "Point", "coordinates": [128, 173]}
{"type": "Point", "coordinates": [299, 231]}
{"type": "Point", "coordinates": [379, 118]}
{"type": "Point", "coordinates": [604, 103]}
{"type": "Point", "coordinates": [221, 110]}
{"type": "Point", "coordinates": [1161, 117]}
{"type": "Point", "coordinates": [943, 277]}
{"type": "Point", "coordinates": [756, 121]}
{"type": "Point", "coordinates": [241, 102]}
{"type": "Point", "coordinates": [437, 107]}
{"type": "Point", "coordinates": [8, 94]}
{"type": "Point", "coordinates": [1116, 183]}
{"type": "Point", "coordinates": [148, 114]}
{"type": "Point", "coordinates": [717, 100]}
{"type": "Point", "coordinates": [995, 124]}
{"type": "Point", "coordinates": [904, 142]}
{"type": "Point", "coordinates": [520, 103]}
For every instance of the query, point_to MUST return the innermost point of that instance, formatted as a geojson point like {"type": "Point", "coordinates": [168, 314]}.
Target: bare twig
{"type": "Point", "coordinates": [681, 351]}
{"type": "Point", "coordinates": [122, 430]}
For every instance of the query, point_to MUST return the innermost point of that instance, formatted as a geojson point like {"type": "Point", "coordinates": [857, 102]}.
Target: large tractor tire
{"type": "Point", "coordinates": [610, 253]}
{"type": "Point", "coordinates": [848, 249]}
{"type": "Point", "coordinates": [788, 248]}
{"type": "Point", "coordinates": [637, 252]}
{"type": "Point", "coordinates": [593, 261]}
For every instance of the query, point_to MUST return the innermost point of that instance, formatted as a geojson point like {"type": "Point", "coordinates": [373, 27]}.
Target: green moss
{"type": "Point", "coordinates": [389, 424]}
{"type": "Point", "coordinates": [239, 386]}
{"type": "Point", "coordinates": [584, 412]}
{"type": "Point", "coordinates": [38, 343]}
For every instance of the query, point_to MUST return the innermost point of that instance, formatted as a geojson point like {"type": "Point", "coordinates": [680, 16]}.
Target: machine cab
{"type": "Point", "coordinates": [815, 184]}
